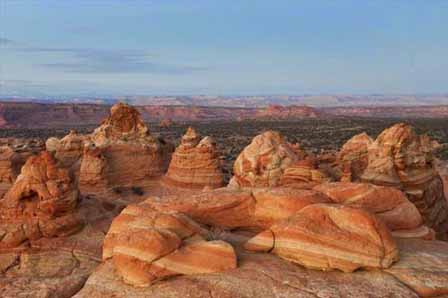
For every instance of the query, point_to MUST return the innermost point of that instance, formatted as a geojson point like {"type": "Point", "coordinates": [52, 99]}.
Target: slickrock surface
{"type": "Point", "coordinates": [147, 245]}
{"type": "Point", "coordinates": [263, 161]}
{"type": "Point", "coordinates": [68, 150]}
{"type": "Point", "coordinates": [228, 208]}
{"type": "Point", "coordinates": [327, 237]}
{"type": "Point", "coordinates": [353, 157]}
{"type": "Point", "coordinates": [423, 267]}
{"type": "Point", "coordinates": [123, 151]}
{"type": "Point", "coordinates": [301, 173]}
{"type": "Point", "coordinates": [195, 163]}
{"type": "Point", "coordinates": [42, 203]}
{"type": "Point", "coordinates": [387, 203]}
{"type": "Point", "coordinates": [268, 276]}
{"type": "Point", "coordinates": [401, 158]}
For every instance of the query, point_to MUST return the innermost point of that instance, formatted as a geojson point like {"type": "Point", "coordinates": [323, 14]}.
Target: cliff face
{"type": "Point", "coordinates": [36, 115]}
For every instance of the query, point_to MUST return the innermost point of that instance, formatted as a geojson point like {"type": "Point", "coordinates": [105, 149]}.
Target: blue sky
{"type": "Point", "coordinates": [84, 48]}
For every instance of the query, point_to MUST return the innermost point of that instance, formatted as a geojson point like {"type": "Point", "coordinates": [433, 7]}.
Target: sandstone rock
{"type": "Point", "coordinates": [258, 275]}
{"type": "Point", "coordinates": [423, 267]}
{"type": "Point", "coordinates": [353, 157]}
{"type": "Point", "coordinates": [147, 245]}
{"type": "Point", "coordinates": [68, 150]}
{"type": "Point", "coordinates": [301, 173]}
{"type": "Point", "coordinates": [41, 203]}
{"type": "Point", "coordinates": [228, 209]}
{"type": "Point", "coordinates": [195, 163]}
{"type": "Point", "coordinates": [401, 158]}
{"type": "Point", "coordinates": [13, 155]}
{"type": "Point", "coordinates": [387, 203]}
{"type": "Point", "coordinates": [262, 162]}
{"type": "Point", "coordinates": [127, 152]}
{"type": "Point", "coordinates": [327, 237]}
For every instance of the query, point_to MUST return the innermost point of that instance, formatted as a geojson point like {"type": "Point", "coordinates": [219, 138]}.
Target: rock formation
{"type": "Point", "coordinates": [68, 150]}
{"type": "Point", "coordinates": [326, 237]}
{"type": "Point", "coordinates": [303, 173]}
{"type": "Point", "coordinates": [41, 203]}
{"type": "Point", "coordinates": [146, 245]}
{"type": "Point", "coordinates": [195, 163]}
{"type": "Point", "coordinates": [13, 155]}
{"type": "Point", "coordinates": [387, 203]}
{"type": "Point", "coordinates": [125, 150]}
{"type": "Point", "coordinates": [353, 157]}
{"type": "Point", "coordinates": [263, 161]}
{"type": "Point", "coordinates": [401, 158]}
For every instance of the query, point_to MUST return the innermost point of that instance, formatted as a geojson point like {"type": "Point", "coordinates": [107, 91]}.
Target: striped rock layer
{"type": "Point", "coordinates": [68, 150]}
{"type": "Point", "coordinates": [195, 163]}
{"type": "Point", "coordinates": [263, 161]}
{"type": "Point", "coordinates": [147, 245]}
{"type": "Point", "coordinates": [401, 158]}
{"type": "Point", "coordinates": [124, 151]}
{"type": "Point", "coordinates": [327, 237]}
{"type": "Point", "coordinates": [353, 157]}
{"type": "Point", "coordinates": [387, 203]}
{"type": "Point", "coordinates": [42, 202]}
{"type": "Point", "coordinates": [303, 173]}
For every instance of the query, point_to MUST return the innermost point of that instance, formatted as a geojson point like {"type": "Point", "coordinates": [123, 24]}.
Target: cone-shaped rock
{"type": "Point", "coordinates": [195, 163]}
{"type": "Point", "coordinates": [353, 157]}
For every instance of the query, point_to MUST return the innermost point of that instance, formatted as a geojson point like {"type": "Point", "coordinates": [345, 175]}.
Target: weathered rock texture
{"type": "Point", "coordinates": [42, 203]}
{"type": "Point", "coordinates": [401, 158]}
{"type": "Point", "coordinates": [147, 245]}
{"type": "Point", "coordinates": [13, 155]}
{"type": "Point", "coordinates": [353, 157]}
{"type": "Point", "coordinates": [124, 151]}
{"type": "Point", "coordinates": [68, 150]}
{"type": "Point", "coordinates": [263, 161]}
{"type": "Point", "coordinates": [326, 237]}
{"type": "Point", "coordinates": [303, 173]}
{"type": "Point", "coordinates": [227, 209]}
{"type": "Point", "coordinates": [387, 203]}
{"type": "Point", "coordinates": [195, 163]}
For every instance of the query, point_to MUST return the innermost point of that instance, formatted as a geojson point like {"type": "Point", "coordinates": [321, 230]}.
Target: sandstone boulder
{"type": "Point", "coordinates": [263, 161]}
{"type": "Point", "coordinates": [41, 203]}
{"type": "Point", "coordinates": [146, 245]}
{"type": "Point", "coordinates": [127, 153]}
{"type": "Point", "coordinates": [195, 163]}
{"type": "Point", "coordinates": [303, 173]}
{"type": "Point", "coordinates": [387, 203]}
{"type": "Point", "coordinates": [327, 237]}
{"type": "Point", "coordinates": [401, 158]}
{"type": "Point", "coordinates": [353, 157]}
{"type": "Point", "coordinates": [68, 150]}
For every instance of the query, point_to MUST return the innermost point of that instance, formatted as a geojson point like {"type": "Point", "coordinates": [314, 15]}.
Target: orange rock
{"type": "Point", "coordinates": [327, 237]}
{"type": "Point", "coordinates": [302, 172]}
{"type": "Point", "coordinates": [353, 157]}
{"type": "Point", "coordinates": [195, 163]}
{"type": "Point", "coordinates": [147, 245]}
{"type": "Point", "coordinates": [262, 162]}
{"type": "Point", "coordinates": [127, 152]}
{"type": "Point", "coordinates": [68, 150]}
{"type": "Point", "coordinates": [41, 203]}
{"type": "Point", "coordinates": [401, 158]}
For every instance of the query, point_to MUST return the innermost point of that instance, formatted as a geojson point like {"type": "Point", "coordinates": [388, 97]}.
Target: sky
{"type": "Point", "coordinates": [185, 47]}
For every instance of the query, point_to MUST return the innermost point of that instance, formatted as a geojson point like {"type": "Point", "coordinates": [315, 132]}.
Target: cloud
{"type": "Point", "coordinates": [110, 61]}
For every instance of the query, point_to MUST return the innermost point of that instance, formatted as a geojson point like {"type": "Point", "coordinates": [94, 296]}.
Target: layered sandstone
{"type": "Point", "coordinates": [353, 157]}
{"type": "Point", "coordinates": [387, 203]}
{"type": "Point", "coordinates": [263, 161]}
{"type": "Point", "coordinates": [229, 208]}
{"type": "Point", "coordinates": [68, 150]}
{"type": "Point", "coordinates": [41, 203]}
{"type": "Point", "coordinates": [327, 237]}
{"type": "Point", "coordinates": [195, 163]}
{"type": "Point", "coordinates": [401, 158]}
{"type": "Point", "coordinates": [303, 173]}
{"type": "Point", "coordinates": [147, 245]}
{"type": "Point", "coordinates": [124, 150]}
